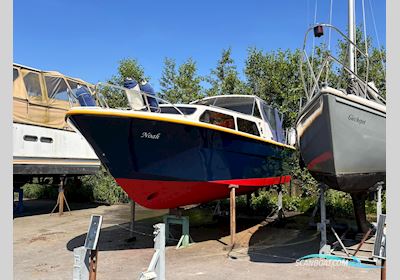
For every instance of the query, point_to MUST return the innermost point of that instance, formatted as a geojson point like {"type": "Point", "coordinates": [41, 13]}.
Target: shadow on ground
{"type": "Point", "coordinates": [284, 242]}
{"type": "Point", "coordinates": [273, 241]}
{"type": "Point", "coordinates": [202, 228]}
{"type": "Point", "coordinates": [288, 240]}
{"type": "Point", "coordinates": [117, 238]}
{"type": "Point", "coordinates": [45, 206]}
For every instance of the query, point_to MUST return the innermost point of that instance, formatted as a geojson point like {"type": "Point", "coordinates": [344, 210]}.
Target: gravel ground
{"type": "Point", "coordinates": [44, 243]}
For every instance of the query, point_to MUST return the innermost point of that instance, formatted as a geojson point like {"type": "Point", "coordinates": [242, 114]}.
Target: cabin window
{"type": "Point", "coordinates": [32, 84]}
{"type": "Point", "coordinates": [247, 126]}
{"type": "Point", "coordinates": [242, 105]}
{"type": "Point", "coordinates": [256, 112]}
{"type": "Point", "coordinates": [270, 116]}
{"type": "Point", "coordinates": [172, 110]}
{"type": "Point", "coordinates": [74, 87]}
{"type": "Point", "coordinates": [56, 88]}
{"type": "Point", "coordinates": [206, 102]}
{"type": "Point", "coordinates": [15, 74]}
{"type": "Point", "coordinates": [219, 119]}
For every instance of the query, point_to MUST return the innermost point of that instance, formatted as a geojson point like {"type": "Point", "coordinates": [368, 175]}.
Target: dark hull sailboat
{"type": "Point", "coordinates": [341, 133]}
{"type": "Point", "coordinates": [342, 140]}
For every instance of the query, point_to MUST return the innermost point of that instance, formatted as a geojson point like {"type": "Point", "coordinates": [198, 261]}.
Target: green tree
{"type": "Point", "coordinates": [224, 78]}
{"type": "Point", "coordinates": [180, 85]}
{"type": "Point", "coordinates": [275, 78]}
{"type": "Point", "coordinates": [376, 65]}
{"type": "Point", "coordinates": [127, 68]}
{"type": "Point", "coordinates": [168, 80]}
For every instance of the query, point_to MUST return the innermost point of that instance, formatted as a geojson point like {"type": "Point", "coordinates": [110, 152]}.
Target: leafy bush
{"type": "Point", "coordinates": [339, 204]}
{"type": "Point", "coordinates": [104, 188]}
{"type": "Point", "coordinates": [100, 187]}
{"type": "Point", "coordinates": [307, 204]}
{"type": "Point", "coordinates": [36, 191]}
{"type": "Point", "coordinates": [370, 205]}
{"type": "Point", "coordinates": [291, 203]}
{"type": "Point", "coordinates": [300, 174]}
{"type": "Point", "coordinates": [264, 201]}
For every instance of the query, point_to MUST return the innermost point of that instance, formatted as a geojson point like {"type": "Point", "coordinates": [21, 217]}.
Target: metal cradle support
{"type": "Point", "coordinates": [324, 247]}
{"type": "Point", "coordinates": [277, 212]}
{"type": "Point", "coordinates": [20, 204]}
{"type": "Point", "coordinates": [156, 268]}
{"type": "Point", "coordinates": [379, 202]}
{"type": "Point", "coordinates": [281, 214]}
{"type": "Point", "coordinates": [185, 238]}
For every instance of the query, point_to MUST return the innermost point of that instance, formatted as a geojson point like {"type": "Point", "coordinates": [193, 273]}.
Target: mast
{"type": "Point", "coordinates": [351, 37]}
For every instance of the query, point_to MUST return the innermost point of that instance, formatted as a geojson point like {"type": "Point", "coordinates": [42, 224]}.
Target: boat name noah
{"type": "Point", "coordinates": [149, 135]}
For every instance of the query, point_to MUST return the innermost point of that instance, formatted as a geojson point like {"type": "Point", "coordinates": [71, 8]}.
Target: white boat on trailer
{"type": "Point", "coordinates": [44, 144]}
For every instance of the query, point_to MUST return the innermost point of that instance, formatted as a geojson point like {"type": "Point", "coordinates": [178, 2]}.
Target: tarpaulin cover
{"type": "Point", "coordinates": [42, 98]}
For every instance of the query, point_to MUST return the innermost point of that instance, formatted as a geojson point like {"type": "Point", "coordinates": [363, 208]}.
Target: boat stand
{"type": "Point", "coordinates": [20, 204]}
{"type": "Point", "coordinates": [379, 202]}
{"type": "Point", "coordinates": [281, 214]}
{"type": "Point", "coordinates": [156, 268]}
{"type": "Point", "coordinates": [377, 240]}
{"type": "Point", "coordinates": [61, 198]}
{"type": "Point", "coordinates": [232, 213]}
{"type": "Point", "coordinates": [217, 210]}
{"type": "Point", "coordinates": [279, 207]}
{"type": "Point", "coordinates": [185, 239]}
{"type": "Point", "coordinates": [132, 221]}
{"type": "Point", "coordinates": [324, 247]}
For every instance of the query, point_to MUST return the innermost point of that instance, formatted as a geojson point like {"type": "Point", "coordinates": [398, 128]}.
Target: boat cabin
{"type": "Point", "coordinates": [43, 97]}
{"type": "Point", "coordinates": [245, 113]}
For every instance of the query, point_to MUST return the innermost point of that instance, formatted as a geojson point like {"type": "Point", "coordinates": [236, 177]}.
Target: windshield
{"type": "Point", "coordinates": [242, 105]}
{"type": "Point", "coordinates": [245, 105]}
{"type": "Point", "coordinates": [274, 120]}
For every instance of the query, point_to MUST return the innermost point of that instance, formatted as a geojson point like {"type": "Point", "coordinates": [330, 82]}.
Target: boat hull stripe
{"type": "Point", "coordinates": [156, 194]}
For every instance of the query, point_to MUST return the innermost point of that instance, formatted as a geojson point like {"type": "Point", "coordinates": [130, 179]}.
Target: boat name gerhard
{"type": "Point", "coordinates": [356, 119]}
{"type": "Point", "coordinates": [149, 135]}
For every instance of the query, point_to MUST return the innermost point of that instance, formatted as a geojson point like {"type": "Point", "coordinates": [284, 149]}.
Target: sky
{"type": "Point", "coordinates": [87, 38]}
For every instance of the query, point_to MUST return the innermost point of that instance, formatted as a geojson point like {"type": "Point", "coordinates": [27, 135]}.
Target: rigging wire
{"type": "Point", "coordinates": [365, 28]}
{"type": "Point", "coordinates": [330, 22]}
{"type": "Point", "coordinates": [355, 38]}
{"type": "Point", "coordinates": [329, 41]}
{"type": "Point", "coordinates": [308, 25]}
{"type": "Point", "coordinates": [315, 21]}
{"type": "Point", "coordinates": [377, 39]}
{"type": "Point", "coordinates": [366, 46]}
{"type": "Point", "coordinates": [313, 41]}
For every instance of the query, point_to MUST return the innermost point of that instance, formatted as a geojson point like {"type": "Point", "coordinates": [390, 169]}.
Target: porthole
{"type": "Point", "coordinates": [46, 140]}
{"type": "Point", "coordinates": [30, 138]}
